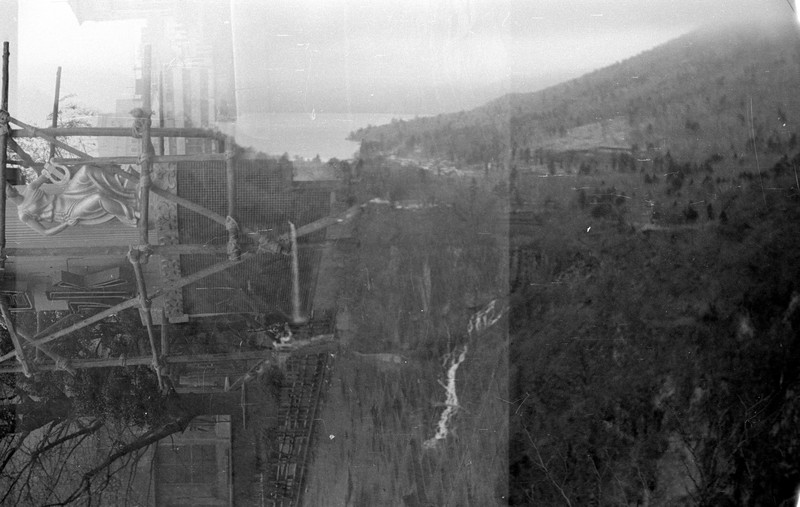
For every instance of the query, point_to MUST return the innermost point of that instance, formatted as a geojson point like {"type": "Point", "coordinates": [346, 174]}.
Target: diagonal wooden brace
{"type": "Point", "coordinates": [14, 338]}
{"type": "Point", "coordinates": [135, 257]}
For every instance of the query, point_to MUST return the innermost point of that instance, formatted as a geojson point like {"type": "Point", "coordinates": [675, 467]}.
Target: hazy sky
{"type": "Point", "coordinates": [307, 54]}
{"type": "Point", "coordinates": [383, 54]}
{"type": "Point", "coordinates": [97, 59]}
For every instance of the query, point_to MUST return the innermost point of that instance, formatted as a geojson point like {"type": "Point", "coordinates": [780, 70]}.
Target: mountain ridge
{"type": "Point", "coordinates": [711, 91]}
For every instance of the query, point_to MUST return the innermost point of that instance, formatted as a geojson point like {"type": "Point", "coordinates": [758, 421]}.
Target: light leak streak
{"type": "Point", "coordinates": [451, 401]}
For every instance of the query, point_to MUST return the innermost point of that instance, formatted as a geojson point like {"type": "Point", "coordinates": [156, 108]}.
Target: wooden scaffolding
{"type": "Point", "coordinates": [137, 254]}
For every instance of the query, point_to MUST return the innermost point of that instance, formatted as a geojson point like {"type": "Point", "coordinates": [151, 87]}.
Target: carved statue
{"type": "Point", "coordinates": [90, 196]}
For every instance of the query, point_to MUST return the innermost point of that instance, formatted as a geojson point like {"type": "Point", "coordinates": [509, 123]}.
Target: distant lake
{"type": "Point", "coordinates": [305, 135]}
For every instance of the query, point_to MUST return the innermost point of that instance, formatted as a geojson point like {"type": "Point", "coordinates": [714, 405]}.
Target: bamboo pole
{"type": "Point", "coordinates": [135, 256]}
{"type": "Point", "coordinates": [186, 203]}
{"type": "Point", "coordinates": [194, 157]}
{"type": "Point", "coordinates": [164, 336]}
{"type": "Point", "coordinates": [86, 158]}
{"type": "Point", "coordinates": [244, 405]}
{"type": "Point", "coordinates": [161, 147]}
{"type": "Point", "coordinates": [26, 370]}
{"type": "Point", "coordinates": [130, 303]}
{"type": "Point", "coordinates": [145, 155]}
{"type": "Point", "coordinates": [119, 132]}
{"type": "Point", "coordinates": [249, 375]}
{"type": "Point", "coordinates": [187, 280]}
{"type": "Point", "coordinates": [87, 251]}
{"type": "Point", "coordinates": [39, 133]}
{"type": "Point", "coordinates": [55, 109]}
{"type": "Point", "coordinates": [4, 136]}
{"type": "Point", "coordinates": [82, 364]}
{"type": "Point", "coordinates": [301, 231]}
{"type": "Point", "coordinates": [26, 159]}
{"type": "Point", "coordinates": [6, 57]}
{"type": "Point", "coordinates": [326, 222]}
{"type": "Point", "coordinates": [60, 362]}
{"type": "Point", "coordinates": [230, 177]}
{"type": "Point", "coordinates": [106, 251]}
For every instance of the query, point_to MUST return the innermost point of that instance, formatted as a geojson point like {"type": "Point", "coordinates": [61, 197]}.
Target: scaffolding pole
{"type": "Point", "coordinates": [187, 280]}
{"type": "Point", "coordinates": [297, 318]}
{"type": "Point", "coordinates": [134, 256]}
{"type": "Point", "coordinates": [196, 157]}
{"type": "Point", "coordinates": [106, 251]}
{"type": "Point", "coordinates": [55, 109]}
{"type": "Point", "coordinates": [88, 159]}
{"type": "Point", "coordinates": [26, 370]}
{"type": "Point", "coordinates": [118, 132]}
{"type": "Point", "coordinates": [82, 364]}
{"type": "Point", "coordinates": [186, 203]}
{"type": "Point", "coordinates": [24, 157]}
{"type": "Point", "coordinates": [61, 363]}
{"type": "Point", "coordinates": [164, 336]}
{"type": "Point", "coordinates": [142, 124]}
{"type": "Point", "coordinates": [130, 303]}
{"type": "Point", "coordinates": [52, 140]}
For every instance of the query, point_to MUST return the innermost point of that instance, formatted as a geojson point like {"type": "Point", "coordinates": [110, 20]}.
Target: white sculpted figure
{"type": "Point", "coordinates": [90, 196]}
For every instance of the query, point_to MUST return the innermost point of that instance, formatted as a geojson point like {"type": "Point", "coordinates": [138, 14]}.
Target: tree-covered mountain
{"type": "Point", "coordinates": [709, 92]}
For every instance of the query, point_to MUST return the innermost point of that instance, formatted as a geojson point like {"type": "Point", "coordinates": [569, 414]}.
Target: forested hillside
{"type": "Point", "coordinates": [709, 92]}
{"type": "Point", "coordinates": [654, 285]}
{"type": "Point", "coordinates": [656, 367]}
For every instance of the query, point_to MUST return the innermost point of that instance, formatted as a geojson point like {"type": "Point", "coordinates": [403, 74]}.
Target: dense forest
{"type": "Point", "coordinates": [656, 364]}
{"type": "Point", "coordinates": [654, 282]}
{"type": "Point", "coordinates": [720, 91]}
